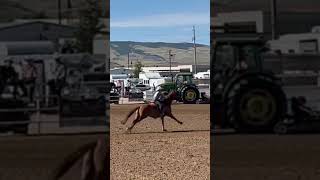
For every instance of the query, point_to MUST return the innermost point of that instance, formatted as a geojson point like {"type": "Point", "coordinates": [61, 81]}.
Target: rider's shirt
{"type": "Point", "coordinates": [158, 96]}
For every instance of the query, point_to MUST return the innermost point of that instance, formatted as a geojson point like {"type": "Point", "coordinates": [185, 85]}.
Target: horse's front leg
{"type": "Point", "coordinates": [171, 116]}
{"type": "Point", "coordinates": [162, 120]}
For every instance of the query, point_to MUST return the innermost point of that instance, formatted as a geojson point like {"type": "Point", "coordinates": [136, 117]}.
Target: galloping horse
{"type": "Point", "coordinates": [151, 110]}
{"type": "Point", "coordinates": [95, 161]}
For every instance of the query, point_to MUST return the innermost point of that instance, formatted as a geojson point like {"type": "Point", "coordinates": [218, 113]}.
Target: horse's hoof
{"type": "Point", "coordinates": [164, 130]}
{"type": "Point", "coordinates": [181, 122]}
{"type": "Point", "coordinates": [128, 130]}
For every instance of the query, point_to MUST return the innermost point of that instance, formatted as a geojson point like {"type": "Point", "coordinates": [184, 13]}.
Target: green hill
{"type": "Point", "coordinates": [157, 53]}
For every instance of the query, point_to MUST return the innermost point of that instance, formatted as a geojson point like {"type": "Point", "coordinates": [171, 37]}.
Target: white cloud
{"type": "Point", "coordinates": [164, 20]}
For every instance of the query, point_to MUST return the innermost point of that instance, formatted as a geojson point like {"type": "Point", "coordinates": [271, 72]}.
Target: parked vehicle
{"type": "Point", "coordinates": [87, 98]}
{"type": "Point", "coordinates": [114, 94]}
{"type": "Point", "coordinates": [246, 96]}
{"type": "Point", "coordinates": [141, 87]}
{"type": "Point", "coordinates": [182, 83]}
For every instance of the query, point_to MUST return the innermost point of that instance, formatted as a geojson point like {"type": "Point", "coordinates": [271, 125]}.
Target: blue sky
{"type": "Point", "coordinates": [160, 20]}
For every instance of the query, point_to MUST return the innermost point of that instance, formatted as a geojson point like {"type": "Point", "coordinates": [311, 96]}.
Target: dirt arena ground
{"type": "Point", "coordinates": [35, 157]}
{"type": "Point", "coordinates": [148, 153]}
{"type": "Point", "coordinates": [266, 157]}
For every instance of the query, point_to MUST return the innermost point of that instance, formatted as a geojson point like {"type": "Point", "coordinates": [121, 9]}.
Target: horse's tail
{"type": "Point", "coordinates": [129, 114]}
{"type": "Point", "coordinates": [70, 160]}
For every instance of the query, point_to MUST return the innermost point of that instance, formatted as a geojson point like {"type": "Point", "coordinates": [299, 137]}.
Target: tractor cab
{"type": "Point", "coordinates": [245, 96]}
{"type": "Point", "coordinates": [237, 55]}
{"type": "Point", "coordinates": [183, 79]}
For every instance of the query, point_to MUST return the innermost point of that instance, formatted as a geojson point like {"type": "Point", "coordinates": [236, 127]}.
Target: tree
{"type": "Point", "coordinates": [88, 26]}
{"type": "Point", "coordinates": [137, 69]}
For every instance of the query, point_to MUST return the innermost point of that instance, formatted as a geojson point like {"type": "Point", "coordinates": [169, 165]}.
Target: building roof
{"type": "Point", "coordinates": [121, 70]}
{"type": "Point", "coordinates": [152, 75]}
{"type": "Point", "coordinates": [29, 47]}
{"type": "Point", "coordinates": [22, 23]}
{"type": "Point", "coordinates": [287, 21]}
{"type": "Point", "coordinates": [68, 23]}
{"type": "Point", "coordinates": [207, 72]}
{"type": "Point", "coordinates": [166, 68]}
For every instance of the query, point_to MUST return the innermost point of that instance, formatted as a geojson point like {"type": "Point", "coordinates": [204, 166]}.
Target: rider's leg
{"type": "Point", "coordinates": [161, 110]}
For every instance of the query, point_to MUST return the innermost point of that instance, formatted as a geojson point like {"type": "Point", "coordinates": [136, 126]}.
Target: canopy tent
{"type": "Point", "coordinates": [27, 48]}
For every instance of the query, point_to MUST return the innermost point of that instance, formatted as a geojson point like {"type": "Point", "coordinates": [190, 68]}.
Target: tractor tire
{"type": "Point", "coordinates": [256, 106]}
{"type": "Point", "coordinates": [189, 95]}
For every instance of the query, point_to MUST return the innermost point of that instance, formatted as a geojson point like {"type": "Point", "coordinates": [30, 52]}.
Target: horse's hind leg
{"type": "Point", "coordinates": [87, 166]}
{"type": "Point", "coordinates": [134, 122]}
{"type": "Point", "coordinates": [171, 116]}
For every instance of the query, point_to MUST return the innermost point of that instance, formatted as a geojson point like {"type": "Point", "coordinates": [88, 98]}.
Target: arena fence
{"type": "Point", "coordinates": [36, 117]}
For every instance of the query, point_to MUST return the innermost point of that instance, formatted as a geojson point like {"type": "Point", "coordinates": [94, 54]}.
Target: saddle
{"type": "Point", "coordinates": [155, 104]}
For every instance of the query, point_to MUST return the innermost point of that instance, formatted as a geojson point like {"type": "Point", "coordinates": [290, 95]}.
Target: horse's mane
{"type": "Point", "coordinates": [168, 98]}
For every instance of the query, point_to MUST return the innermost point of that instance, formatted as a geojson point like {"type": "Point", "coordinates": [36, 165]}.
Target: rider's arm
{"type": "Point", "coordinates": [155, 96]}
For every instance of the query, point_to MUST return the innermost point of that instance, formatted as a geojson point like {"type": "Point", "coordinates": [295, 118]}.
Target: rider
{"type": "Point", "coordinates": [159, 98]}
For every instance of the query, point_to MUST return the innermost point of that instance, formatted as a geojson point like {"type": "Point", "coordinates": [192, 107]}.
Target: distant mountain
{"type": "Point", "coordinates": [157, 53]}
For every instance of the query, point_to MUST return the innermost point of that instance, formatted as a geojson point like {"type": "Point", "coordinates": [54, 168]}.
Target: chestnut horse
{"type": "Point", "coordinates": [95, 161]}
{"type": "Point", "coordinates": [151, 110]}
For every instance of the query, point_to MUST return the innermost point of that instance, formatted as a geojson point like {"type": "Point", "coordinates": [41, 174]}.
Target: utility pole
{"type": "Point", "coordinates": [129, 50]}
{"type": "Point", "coordinates": [195, 49]}
{"type": "Point", "coordinates": [128, 58]}
{"type": "Point", "coordinates": [274, 19]}
{"type": "Point", "coordinates": [170, 55]}
{"type": "Point", "coordinates": [59, 11]}
{"type": "Point", "coordinates": [170, 60]}
{"type": "Point", "coordinates": [70, 13]}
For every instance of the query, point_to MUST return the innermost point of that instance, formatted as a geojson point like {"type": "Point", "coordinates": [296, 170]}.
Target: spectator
{"type": "Point", "coordinates": [20, 82]}
{"type": "Point", "coordinates": [60, 74]}
{"type": "Point", "coordinates": [12, 76]}
{"type": "Point", "coordinates": [61, 70]}
{"type": "Point", "coordinates": [29, 78]}
{"type": "Point", "coordinates": [11, 73]}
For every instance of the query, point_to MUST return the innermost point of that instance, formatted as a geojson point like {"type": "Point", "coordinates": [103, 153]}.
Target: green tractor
{"type": "Point", "coordinates": [187, 91]}
{"type": "Point", "coordinates": [246, 96]}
